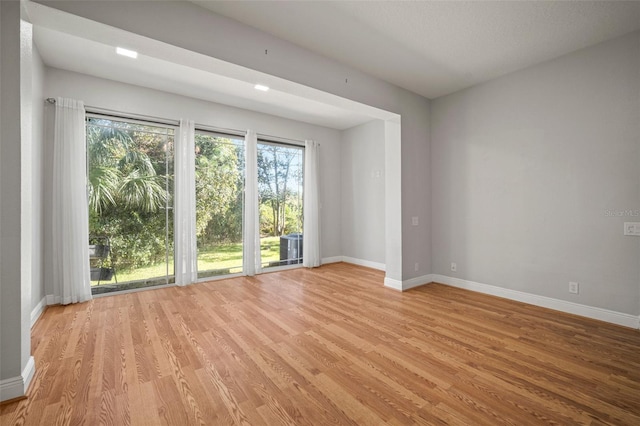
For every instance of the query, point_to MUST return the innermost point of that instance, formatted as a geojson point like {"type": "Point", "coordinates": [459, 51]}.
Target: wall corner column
{"type": "Point", "coordinates": [393, 204]}
{"type": "Point", "coordinates": [16, 363]}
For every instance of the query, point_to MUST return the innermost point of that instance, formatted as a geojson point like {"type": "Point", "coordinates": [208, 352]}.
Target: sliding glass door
{"type": "Point", "coordinates": [219, 171]}
{"type": "Point", "coordinates": [130, 193]}
{"type": "Point", "coordinates": [280, 184]}
{"type": "Point", "coordinates": [130, 174]}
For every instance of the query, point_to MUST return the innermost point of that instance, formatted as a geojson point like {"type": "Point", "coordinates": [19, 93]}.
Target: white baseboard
{"type": "Point", "coordinates": [52, 300]}
{"type": "Point", "coordinates": [408, 284]}
{"type": "Point", "coordinates": [416, 282]}
{"type": "Point", "coordinates": [16, 387]}
{"type": "Point", "coordinates": [361, 262]}
{"type": "Point", "coordinates": [606, 315]}
{"type": "Point", "coordinates": [353, 260]}
{"type": "Point", "coordinates": [38, 310]}
{"type": "Point", "coordinates": [333, 259]}
{"type": "Point", "coordinates": [393, 284]}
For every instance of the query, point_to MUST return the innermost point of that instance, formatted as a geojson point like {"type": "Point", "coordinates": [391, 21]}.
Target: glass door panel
{"type": "Point", "coordinates": [130, 192]}
{"type": "Point", "coordinates": [219, 202]}
{"type": "Point", "coordinates": [280, 184]}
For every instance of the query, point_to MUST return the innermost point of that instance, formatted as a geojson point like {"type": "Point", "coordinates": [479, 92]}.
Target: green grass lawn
{"type": "Point", "coordinates": [223, 256]}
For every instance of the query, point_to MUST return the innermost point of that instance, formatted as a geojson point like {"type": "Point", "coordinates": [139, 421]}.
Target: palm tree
{"type": "Point", "coordinates": [119, 172]}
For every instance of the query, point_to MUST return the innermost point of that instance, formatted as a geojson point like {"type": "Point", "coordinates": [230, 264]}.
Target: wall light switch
{"type": "Point", "coordinates": [414, 220]}
{"type": "Point", "coordinates": [632, 228]}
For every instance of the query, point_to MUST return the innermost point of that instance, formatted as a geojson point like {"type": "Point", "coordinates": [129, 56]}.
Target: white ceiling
{"type": "Point", "coordinates": [76, 44]}
{"type": "Point", "coordinates": [72, 53]}
{"type": "Point", "coordinates": [437, 47]}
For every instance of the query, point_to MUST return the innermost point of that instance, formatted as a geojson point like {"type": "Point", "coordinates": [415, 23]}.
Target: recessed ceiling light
{"type": "Point", "coordinates": [261, 87]}
{"type": "Point", "coordinates": [126, 52]}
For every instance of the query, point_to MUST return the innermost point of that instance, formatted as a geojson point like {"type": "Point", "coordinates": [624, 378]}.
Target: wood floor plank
{"type": "Point", "coordinates": [328, 345]}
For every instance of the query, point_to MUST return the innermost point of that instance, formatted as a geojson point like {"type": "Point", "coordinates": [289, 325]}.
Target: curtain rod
{"type": "Point", "coordinates": [162, 120]}
{"type": "Point", "coordinates": [125, 115]}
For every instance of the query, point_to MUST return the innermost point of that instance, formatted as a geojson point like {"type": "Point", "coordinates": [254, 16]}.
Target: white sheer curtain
{"type": "Point", "coordinates": [252, 263]}
{"type": "Point", "coordinates": [311, 256]}
{"type": "Point", "coordinates": [70, 212]}
{"type": "Point", "coordinates": [186, 249]}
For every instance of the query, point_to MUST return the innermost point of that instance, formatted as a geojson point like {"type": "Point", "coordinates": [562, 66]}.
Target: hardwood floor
{"type": "Point", "coordinates": [325, 346]}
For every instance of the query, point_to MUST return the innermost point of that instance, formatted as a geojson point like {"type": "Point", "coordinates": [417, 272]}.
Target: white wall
{"type": "Point", "coordinates": [525, 168]}
{"type": "Point", "coordinates": [26, 249]}
{"type": "Point", "coordinates": [37, 237]}
{"type": "Point", "coordinates": [211, 35]}
{"type": "Point", "coordinates": [363, 189]}
{"type": "Point", "coordinates": [16, 363]}
{"type": "Point", "coordinates": [126, 98]}
{"type": "Point", "coordinates": [10, 277]}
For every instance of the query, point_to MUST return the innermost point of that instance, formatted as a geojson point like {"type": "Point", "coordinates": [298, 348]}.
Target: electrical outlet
{"type": "Point", "coordinates": [454, 267]}
{"type": "Point", "coordinates": [414, 220]}
{"type": "Point", "coordinates": [574, 287]}
{"type": "Point", "coordinates": [632, 228]}
{"type": "Point", "coordinates": [416, 266]}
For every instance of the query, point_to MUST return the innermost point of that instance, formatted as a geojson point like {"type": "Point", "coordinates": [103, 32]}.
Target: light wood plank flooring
{"type": "Point", "coordinates": [325, 346]}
